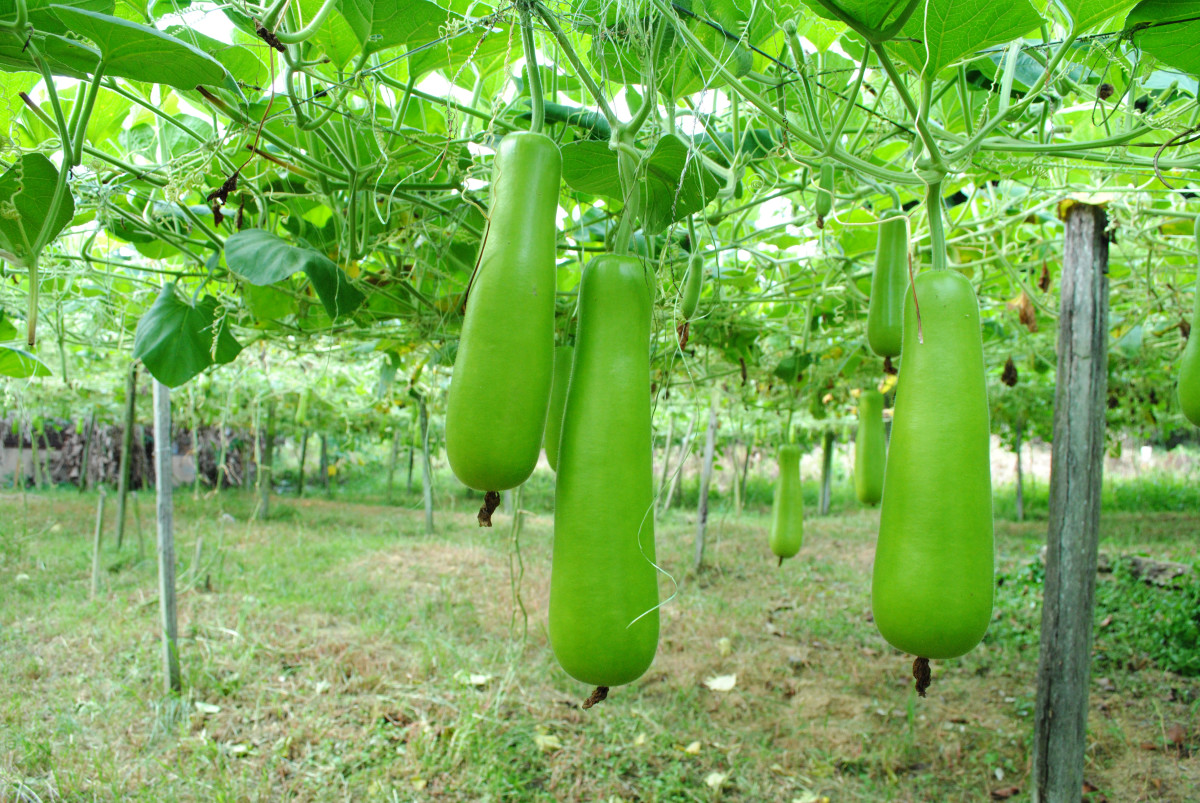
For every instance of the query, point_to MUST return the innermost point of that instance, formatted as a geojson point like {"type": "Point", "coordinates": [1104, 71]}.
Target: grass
{"type": "Point", "coordinates": [337, 652]}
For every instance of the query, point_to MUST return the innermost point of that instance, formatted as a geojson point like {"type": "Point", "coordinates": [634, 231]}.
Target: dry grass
{"type": "Point", "coordinates": [340, 655]}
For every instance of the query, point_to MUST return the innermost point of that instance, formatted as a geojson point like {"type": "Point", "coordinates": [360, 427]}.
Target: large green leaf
{"type": "Point", "coordinates": [26, 193]}
{"type": "Point", "coordinates": [141, 53]}
{"type": "Point", "coordinates": [43, 18]}
{"type": "Point", "coordinates": [676, 184]}
{"type": "Point", "coordinates": [1169, 31]}
{"type": "Point", "coordinates": [176, 341]}
{"type": "Point", "coordinates": [1086, 13]}
{"type": "Point", "coordinates": [870, 14]}
{"type": "Point", "coordinates": [20, 364]}
{"type": "Point", "coordinates": [380, 24]}
{"type": "Point", "coordinates": [262, 258]}
{"type": "Point", "coordinates": [945, 31]}
{"type": "Point", "coordinates": [63, 56]}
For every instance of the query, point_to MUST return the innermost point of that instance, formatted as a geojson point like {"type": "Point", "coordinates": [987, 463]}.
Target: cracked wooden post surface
{"type": "Point", "coordinates": [1060, 717]}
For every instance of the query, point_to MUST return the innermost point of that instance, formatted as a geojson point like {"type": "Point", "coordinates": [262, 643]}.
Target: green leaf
{"type": "Point", "coordinates": [176, 341]}
{"type": "Point", "coordinates": [591, 167]}
{"type": "Point", "coordinates": [1087, 13]}
{"type": "Point", "coordinates": [141, 53]}
{"type": "Point", "coordinates": [43, 18]}
{"type": "Point", "coordinates": [870, 14]}
{"type": "Point", "coordinates": [20, 364]}
{"type": "Point", "coordinates": [952, 29]}
{"type": "Point", "coordinates": [7, 330]}
{"type": "Point", "coordinates": [380, 24]}
{"type": "Point", "coordinates": [1169, 31]}
{"type": "Point", "coordinates": [675, 186]}
{"type": "Point", "coordinates": [63, 56]}
{"type": "Point", "coordinates": [26, 192]}
{"type": "Point", "coordinates": [240, 61]}
{"type": "Point", "coordinates": [262, 258]}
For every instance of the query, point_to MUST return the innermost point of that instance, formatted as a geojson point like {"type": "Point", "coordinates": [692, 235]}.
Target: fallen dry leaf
{"type": "Point", "coordinates": [1006, 792]}
{"type": "Point", "coordinates": [721, 682]}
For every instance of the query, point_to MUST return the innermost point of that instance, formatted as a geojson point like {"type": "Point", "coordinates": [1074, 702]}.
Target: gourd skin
{"type": "Point", "coordinates": [870, 450]}
{"type": "Point", "coordinates": [931, 592]}
{"type": "Point", "coordinates": [884, 331]}
{"type": "Point", "coordinates": [787, 508]}
{"type": "Point", "coordinates": [500, 388]}
{"type": "Point", "coordinates": [602, 577]}
{"type": "Point", "coordinates": [824, 202]}
{"type": "Point", "coordinates": [692, 283]}
{"type": "Point", "coordinates": [1189, 364]}
{"type": "Point", "coordinates": [563, 356]}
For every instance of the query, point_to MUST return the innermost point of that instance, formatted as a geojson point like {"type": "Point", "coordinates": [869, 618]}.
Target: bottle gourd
{"type": "Point", "coordinates": [931, 592]}
{"type": "Point", "coordinates": [870, 449]}
{"type": "Point", "coordinates": [787, 508]}
{"type": "Point", "coordinates": [603, 583]}
{"type": "Point", "coordinates": [887, 288]}
{"type": "Point", "coordinates": [1189, 365]}
{"type": "Point", "coordinates": [500, 388]}
{"type": "Point", "coordinates": [693, 281]}
{"type": "Point", "coordinates": [563, 357]}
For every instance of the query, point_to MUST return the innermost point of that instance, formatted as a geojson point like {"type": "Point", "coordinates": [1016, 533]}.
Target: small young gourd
{"type": "Point", "coordinates": [887, 288]}
{"type": "Point", "coordinates": [692, 284]}
{"type": "Point", "coordinates": [787, 508]}
{"type": "Point", "coordinates": [870, 450]}
{"type": "Point", "coordinates": [824, 203]}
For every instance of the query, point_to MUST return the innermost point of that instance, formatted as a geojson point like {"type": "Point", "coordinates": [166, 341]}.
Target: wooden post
{"type": "Point", "coordinates": [323, 462]}
{"type": "Point", "coordinates": [391, 474]}
{"type": "Point", "coordinates": [426, 466]}
{"type": "Point", "coordinates": [87, 453]}
{"type": "Point", "coordinates": [96, 545]}
{"type": "Point", "coordinates": [126, 451]}
{"type": "Point", "coordinates": [666, 464]}
{"type": "Point", "coordinates": [303, 459]}
{"type": "Point", "coordinates": [195, 444]}
{"type": "Point", "coordinates": [826, 472]}
{"type": "Point", "coordinates": [164, 487]}
{"type": "Point", "coordinates": [266, 465]}
{"type": "Point", "coordinates": [1020, 478]}
{"type": "Point", "coordinates": [35, 456]}
{"type": "Point", "coordinates": [710, 443]}
{"type": "Point", "coordinates": [1077, 465]}
{"type": "Point", "coordinates": [677, 479]}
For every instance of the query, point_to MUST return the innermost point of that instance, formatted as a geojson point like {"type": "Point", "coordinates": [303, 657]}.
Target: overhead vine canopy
{"type": "Point", "coordinates": [183, 179]}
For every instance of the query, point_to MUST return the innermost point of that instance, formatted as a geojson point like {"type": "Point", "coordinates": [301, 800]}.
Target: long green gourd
{"type": "Point", "coordinates": [787, 508]}
{"type": "Point", "coordinates": [887, 288]}
{"type": "Point", "coordinates": [603, 583]}
{"type": "Point", "coordinates": [500, 388]}
{"type": "Point", "coordinates": [870, 449]}
{"type": "Point", "coordinates": [931, 593]}
{"type": "Point", "coordinates": [563, 357]}
{"type": "Point", "coordinates": [1189, 365]}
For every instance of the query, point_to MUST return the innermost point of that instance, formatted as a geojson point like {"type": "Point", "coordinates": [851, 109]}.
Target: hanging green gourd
{"type": "Point", "coordinates": [870, 449]}
{"type": "Point", "coordinates": [1189, 365]}
{"type": "Point", "coordinates": [931, 590]}
{"type": "Point", "coordinates": [500, 388]}
{"type": "Point", "coordinates": [787, 508]}
{"type": "Point", "coordinates": [887, 288]}
{"type": "Point", "coordinates": [603, 582]}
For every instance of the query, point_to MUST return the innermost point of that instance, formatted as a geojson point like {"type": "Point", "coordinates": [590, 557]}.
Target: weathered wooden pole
{"type": "Point", "coordinates": [96, 545]}
{"type": "Point", "coordinates": [710, 443]}
{"type": "Point", "coordinates": [87, 452]}
{"type": "Point", "coordinates": [391, 472]}
{"type": "Point", "coordinates": [266, 464]}
{"type": "Point", "coordinates": [126, 451]}
{"type": "Point", "coordinates": [685, 448]}
{"type": "Point", "coordinates": [666, 464]}
{"type": "Point", "coordinates": [1020, 476]}
{"type": "Point", "coordinates": [426, 465]}
{"type": "Point", "coordinates": [303, 458]}
{"type": "Point", "coordinates": [1077, 465]}
{"type": "Point", "coordinates": [827, 472]}
{"type": "Point", "coordinates": [164, 486]}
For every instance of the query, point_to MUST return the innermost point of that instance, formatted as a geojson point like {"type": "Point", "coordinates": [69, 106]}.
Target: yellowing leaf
{"type": "Point", "coordinates": [724, 647]}
{"type": "Point", "coordinates": [715, 779]}
{"type": "Point", "coordinates": [639, 740]}
{"type": "Point", "coordinates": [692, 749]}
{"type": "Point", "coordinates": [721, 682]}
{"type": "Point", "coordinates": [547, 742]}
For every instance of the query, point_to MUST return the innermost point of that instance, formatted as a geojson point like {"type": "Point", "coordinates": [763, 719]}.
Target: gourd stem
{"type": "Point", "coordinates": [937, 231]}
{"type": "Point", "coordinates": [531, 70]}
{"type": "Point", "coordinates": [308, 30]}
